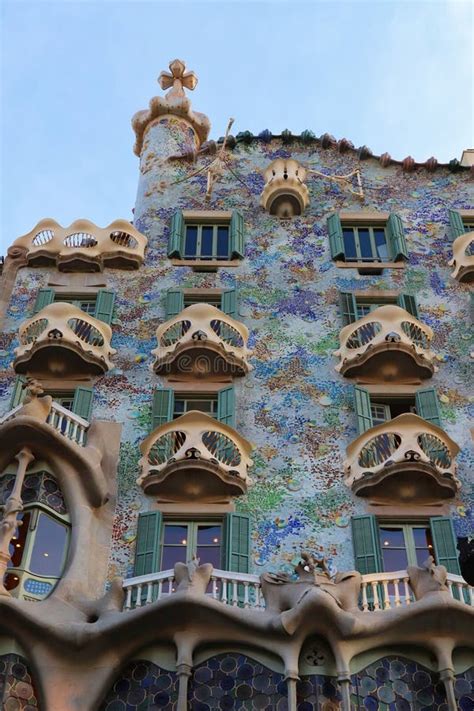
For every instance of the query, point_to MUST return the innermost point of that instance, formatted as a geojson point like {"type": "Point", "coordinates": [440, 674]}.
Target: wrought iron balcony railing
{"type": "Point", "coordinates": [61, 339]}
{"type": "Point", "coordinates": [195, 457]}
{"type": "Point", "coordinates": [64, 421]}
{"type": "Point", "coordinates": [405, 459]}
{"type": "Point", "coordinates": [385, 591]}
{"type": "Point", "coordinates": [83, 246]}
{"type": "Point", "coordinates": [463, 258]}
{"type": "Point", "coordinates": [202, 340]}
{"type": "Point", "coordinates": [388, 344]}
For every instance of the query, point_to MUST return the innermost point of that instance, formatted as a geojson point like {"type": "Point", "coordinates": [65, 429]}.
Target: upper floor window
{"type": "Point", "coordinates": [207, 237]}
{"type": "Point", "coordinates": [169, 404]}
{"type": "Point", "coordinates": [205, 403]}
{"type": "Point", "coordinates": [366, 241]}
{"type": "Point", "coordinates": [374, 409]}
{"type": "Point", "coordinates": [78, 400]}
{"type": "Point", "coordinates": [403, 544]}
{"type": "Point", "coordinates": [184, 540]}
{"type": "Point", "coordinates": [461, 221]}
{"type": "Point", "coordinates": [86, 304]}
{"type": "Point", "coordinates": [356, 306]}
{"type": "Point", "coordinates": [179, 299]}
{"type": "Point", "coordinates": [99, 305]}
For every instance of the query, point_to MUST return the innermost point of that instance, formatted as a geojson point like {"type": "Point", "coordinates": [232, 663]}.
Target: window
{"type": "Point", "coordinates": [355, 306]}
{"type": "Point", "coordinates": [461, 223]}
{"type": "Point", "coordinates": [212, 238]}
{"type": "Point", "coordinates": [204, 298]}
{"type": "Point", "coordinates": [39, 547]}
{"type": "Point", "coordinates": [168, 405]}
{"type": "Point", "coordinates": [182, 541]}
{"type": "Point", "coordinates": [404, 544]}
{"type": "Point", "coordinates": [100, 305]}
{"type": "Point", "coordinates": [366, 241]}
{"type": "Point", "coordinates": [78, 401]}
{"type": "Point", "coordinates": [372, 409]}
{"type": "Point", "coordinates": [207, 404]}
{"type": "Point", "coordinates": [178, 299]}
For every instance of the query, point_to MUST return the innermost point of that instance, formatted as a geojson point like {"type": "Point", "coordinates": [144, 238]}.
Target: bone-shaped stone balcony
{"type": "Point", "coordinates": [83, 246]}
{"type": "Point", "coordinates": [388, 344]}
{"type": "Point", "coordinates": [463, 258]}
{"type": "Point", "coordinates": [285, 193]}
{"type": "Point", "coordinates": [404, 460]}
{"type": "Point", "coordinates": [63, 340]}
{"type": "Point", "coordinates": [195, 457]}
{"type": "Point", "coordinates": [202, 341]}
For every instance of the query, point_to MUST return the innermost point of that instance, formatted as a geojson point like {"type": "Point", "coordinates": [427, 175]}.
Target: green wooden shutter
{"type": "Point", "coordinates": [18, 391]}
{"type": "Point", "coordinates": [427, 405]}
{"type": "Point", "coordinates": [362, 409]}
{"type": "Point", "coordinates": [236, 547]}
{"type": "Point", "coordinates": [226, 406]}
{"type": "Point", "coordinates": [174, 302]}
{"type": "Point", "coordinates": [365, 539]}
{"type": "Point", "coordinates": [229, 302]}
{"type": "Point", "coordinates": [147, 550]}
{"type": "Point", "coordinates": [396, 237]}
{"type": "Point", "coordinates": [43, 298]}
{"type": "Point", "coordinates": [444, 542]}
{"type": "Point", "coordinates": [336, 238]}
{"type": "Point", "coordinates": [176, 236]}
{"type": "Point", "coordinates": [162, 407]}
{"type": "Point", "coordinates": [348, 307]}
{"type": "Point", "coordinates": [104, 305]}
{"type": "Point", "coordinates": [408, 302]}
{"type": "Point", "coordinates": [457, 224]}
{"type": "Point", "coordinates": [237, 232]}
{"type": "Point", "coordinates": [82, 403]}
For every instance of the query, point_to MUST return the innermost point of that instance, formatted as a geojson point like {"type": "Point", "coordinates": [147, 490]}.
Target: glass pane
{"type": "Point", "coordinates": [349, 243]}
{"type": "Point", "coordinates": [364, 242]}
{"type": "Point", "coordinates": [209, 534]}
{"type": "Point", "coordinates": [201, 405]}
{"type": "Point", "coordinates": [422, 537]}
{"type": "Point", "coordinates": [176, 534]}
{"type": "Point", "coordinates": [65, 402]}
{"type": "Point", "coordinates": [364, 309]}
{"type": "Point", "coordinates": [87, 306]}
{"type": "Point", "coordinates": [469, 227]}
{"type": "Point", "coordinates": [223, 242]}
{"type": "Point", "coordinates": [49, 547]}
{"type": "Point", "coordinates": [206, 241]}
{"type": "Point", "coordinates": [190, 244]}
{"type": "Point", "coordinates": [379, 414]}
{"type": "Point", "coordinates": [390, 537]}
{"type": "Point", "coordinates": [17, 545]}
{"type": "Point", "coordinates": [210, 554]}
{"type": "Point", "coordinates": [394, 559]}
{"type": "Point", "coordinates": [172, 555]}
{"type": "Point", "coordinates": [381, 244]}
{"type": "Point", "coordinates": [179, 407]}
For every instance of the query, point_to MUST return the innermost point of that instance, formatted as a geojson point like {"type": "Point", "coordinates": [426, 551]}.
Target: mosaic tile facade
{"type": "Point", "coordinates": [17, 691]}
{"type": "Point", "coordinates": [293, 406]}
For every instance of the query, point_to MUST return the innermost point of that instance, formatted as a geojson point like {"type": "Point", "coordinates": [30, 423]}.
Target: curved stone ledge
{"type": "Point", "coordinates": [462, 261]}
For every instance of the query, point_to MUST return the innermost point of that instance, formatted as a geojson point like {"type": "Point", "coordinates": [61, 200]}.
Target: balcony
{"type": "Point", "coordinates": [463, 258]}
{"type": "Point", "coordinates": [63, 341]}
{"type": "Point", "coordinates": [405, 460]}
{"type": "Point", "coordinates": [83, 246]}
{"type": "Point", "coordinates": [195, 458]}
{"type": "Point", "coordinates": [387, 345]}
{"type": "Point", "coordinates": [386, 591]}
{"type": "Point", "coordinates": [201, 341]}
{"type": "Point", "coordinates": [65, 422]}
{"type": "Point", "coordinates": [285, 194]}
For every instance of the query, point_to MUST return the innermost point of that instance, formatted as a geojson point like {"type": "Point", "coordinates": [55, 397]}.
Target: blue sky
{"type": "Point", "coordinates": [394, 75]}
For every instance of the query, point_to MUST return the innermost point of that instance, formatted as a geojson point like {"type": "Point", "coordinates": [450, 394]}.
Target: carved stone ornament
{"type": "Point", "coordinates": [428, 578]}
{"type": "Point", "coordinates": [36, 403]}
{"type": "Point", "coordinates": [191, 577]}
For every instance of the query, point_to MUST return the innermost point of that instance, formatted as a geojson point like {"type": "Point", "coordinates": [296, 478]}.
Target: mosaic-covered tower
{"type": "Point", "coordinates": [235, 460]}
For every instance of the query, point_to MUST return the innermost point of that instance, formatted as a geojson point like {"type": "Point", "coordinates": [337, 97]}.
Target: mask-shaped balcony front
{"type": "Point", "coordinates": [61, 340]}
{"type": "Point", "coordinates": [83, 246]}
{"type": "Point", "coordinates": [463, 258]}
{"type": "Point", "coordinates": [285, 194]}
{"type": "Point", "coordinates": [195, 458]}
{"type": "Point", "coordinates": [405, 460]}
{"type": "Point", "coordinates": [201, 342]}
{"type": "Point", "coordinates": [387, 345]}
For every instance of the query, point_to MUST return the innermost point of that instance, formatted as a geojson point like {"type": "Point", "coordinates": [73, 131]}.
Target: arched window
{"type": "Point", "coordinates": [39, 547]}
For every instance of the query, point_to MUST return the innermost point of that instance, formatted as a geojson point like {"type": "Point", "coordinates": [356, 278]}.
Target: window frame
{"type": "Point", "coordinates": [410, 546]}
{"type": "Point", "coordinates": [192, 525]}
{"type": "Point", "coordinates": [209, 397]}
{"type": "Point", "coordinates": [370, 226]}
{"type": "Point", "coordinates": [215, 230]}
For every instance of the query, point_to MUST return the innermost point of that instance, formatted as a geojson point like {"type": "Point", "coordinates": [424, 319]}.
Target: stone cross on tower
{"type": "Point", "coordinates": [177, 79]}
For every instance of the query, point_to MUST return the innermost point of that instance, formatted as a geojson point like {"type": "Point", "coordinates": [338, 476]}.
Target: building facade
{"type": "Point", "coordinates": [235, 455]}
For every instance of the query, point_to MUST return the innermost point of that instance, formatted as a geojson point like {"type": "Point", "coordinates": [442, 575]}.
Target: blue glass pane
{"type": "Point", "coordinates": [381, 244]}
{"type": "Point", "coordinates": [364, 242]}
{"type": "Point", "coordinates": [49, 547]}
{"type": "Point", "coordinates": [206, 241]}
{"type": "Point", "coordinates": [223, 242]}
{"type": "Point", "coordinates": [391, 537]}
{"type": "Point", "coordinates": [172, 555]}
{"type": "Point", "coordinates": [190, 245]}
{"type": "Point", "coordinates": [349, 244]}
{"type": "Point", "coordinates": [209, 535]}
{"type": "Point", "coordinates": [175, 534]}
{"type": "Point", "coordinates": [209, 554]}
{"type": "Point", "coordinates": [394, 559]}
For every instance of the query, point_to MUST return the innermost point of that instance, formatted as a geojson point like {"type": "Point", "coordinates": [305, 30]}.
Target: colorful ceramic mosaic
{"type": "Point", "coordinates": [17, 692]}
{"type": "Point", "coordinates": [143, 685]}
{"type": "Point", "coordinates": [293, 406]}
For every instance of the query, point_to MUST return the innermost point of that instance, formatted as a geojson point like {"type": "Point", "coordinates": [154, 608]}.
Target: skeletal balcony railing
{"type": "Point", "coordinates": [202, 340]}
{"type": "Point", "coordinates": [407, 458]}
{"type": "Point", "coordinates": [83, 245]}
{"type": "Point", "coordinates": [195, 457]}
{"type": "Point", "coordinates": [62, 332]}
{"type": "Point", "coordinates": [388, 344]}
{"type": "Point", "coordinates": [379, 591]}
{"type": "Point", "coordinates": [463, 258]}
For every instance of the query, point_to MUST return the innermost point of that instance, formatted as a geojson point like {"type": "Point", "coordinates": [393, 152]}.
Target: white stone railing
{"type": "Point", "coordinates": [64, 421]}
{"type": "Point", "coordinates": [379, 591]}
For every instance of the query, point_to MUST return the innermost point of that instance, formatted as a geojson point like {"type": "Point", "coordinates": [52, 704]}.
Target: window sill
{"type": "Point", "coordinates": [199, 265]}
{"type": "Point", "coordinates": [370, 266]}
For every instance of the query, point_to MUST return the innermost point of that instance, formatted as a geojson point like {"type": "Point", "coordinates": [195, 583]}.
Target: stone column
{"type": "Point", "coordinates": [184, 673]}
